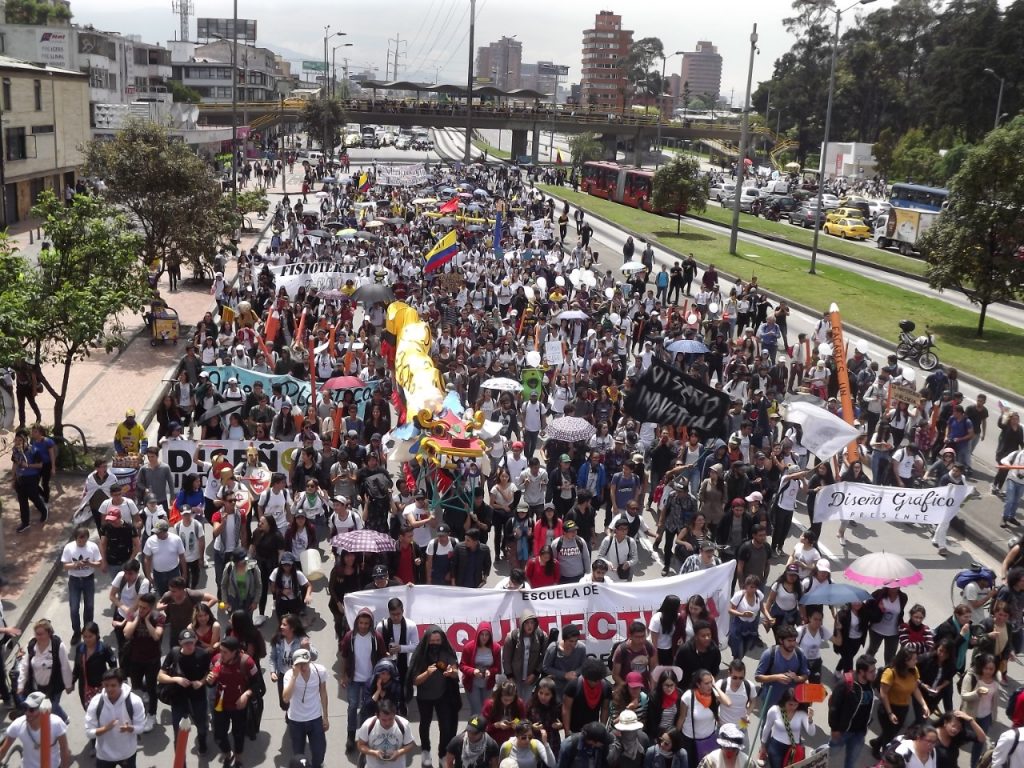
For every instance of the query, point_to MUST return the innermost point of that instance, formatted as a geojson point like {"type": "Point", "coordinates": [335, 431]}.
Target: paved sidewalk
{"type": "Point", "coordinates": [100, 390]}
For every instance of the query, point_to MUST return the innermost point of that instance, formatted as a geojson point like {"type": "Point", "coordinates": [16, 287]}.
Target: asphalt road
{"type": "Point", "coordinates": [272, 749]}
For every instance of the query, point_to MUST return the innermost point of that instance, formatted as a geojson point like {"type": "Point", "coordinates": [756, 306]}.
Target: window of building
{"type": "Point", "coordinates": [7, 94]}
{"type": "Point", "coordinates": [37, 90]}
{"type": "Point", "coordinates": [14, 141]}
{"type": "Point", "coordinates": [37, 129]}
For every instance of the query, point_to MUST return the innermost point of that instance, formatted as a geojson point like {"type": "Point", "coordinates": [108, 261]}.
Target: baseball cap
{"type": "Point", "coordinates": [638, 458]}
{"type": "Point", "coordinates": [824, 565]}
{"type": "Point", "coordinates": [517, 445]}
{"type": "Point", "coordinates": [161, 525]}
{"type": "Point", "coordinates": [731, 737]}
{"type": "Point", "coordinates": [186, 636]}
{"type": "Point", "coordinates": [339, 499]}
{"type": "Point", "coordinates": [476, 724]}
{"type": "Point", "coordinates": [381, 572]}
{"type": "Point", "coordinates": [570, 525]}
{"type": "Point", "coordinates": [288, 557]}
{"type": "Point", "coordinates": [301, 656]}
{"type": "Point", "coordinates": [232, 380]}
{"type": "Point", "coordinates": [35, 700]}
{"type": "Point", "coordinates": [186, 509]}
{"type": "Point", "coordinates": [755, 496]}
{"type": "Point", "coordinates": [738, 502]}
{"type": "Point", "coordinates": [564, 457]}
{"type": "Point", "coordinates": [130, 413]}
{"type": "Point", "coordinates": [443, 530]}
{"type": "Point", "coordinates": [420, 495]}
{"type": "Point", "coordinates": [635, 680]}
{"type": "Point", "coordinates": [114, 513]}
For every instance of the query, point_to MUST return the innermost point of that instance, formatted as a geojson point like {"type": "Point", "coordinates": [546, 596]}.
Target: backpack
{"type": "Point", "coordinates": [127, 705]}
{"type": "Point", "coordinates": [968, 575]}
{"type": "Point", "coordinates": [56, 678]}
{"type": "Point", "coordinates": [506, 749]}
{"type": "Point", "coordinates": [1011, 702]}
{"type": "Point", "coordinates": [373, 724]}
{"type": "Point", "coordinates": [985, 761]}
{"type": "Point", "coordinates": [141, 583]}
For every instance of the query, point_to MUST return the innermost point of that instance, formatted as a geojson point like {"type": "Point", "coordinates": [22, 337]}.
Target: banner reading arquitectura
{"type": "Point", "coordinates": [602, 611]}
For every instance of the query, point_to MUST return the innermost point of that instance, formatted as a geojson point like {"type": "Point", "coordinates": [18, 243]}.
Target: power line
{"type": "Point", "coordinates": [458, 46]}
{"type": "Point", "coordinates": [422, 37]}
{"type": "Point", "coordinates": [441, 31]}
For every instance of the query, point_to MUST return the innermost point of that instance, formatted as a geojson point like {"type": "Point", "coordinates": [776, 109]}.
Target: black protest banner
{"type": "Point", "coordinates": [666, 395]}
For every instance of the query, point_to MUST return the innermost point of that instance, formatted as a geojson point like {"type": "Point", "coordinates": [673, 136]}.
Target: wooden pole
{"type": "Point", "coordinates": [45, 736]}
{"type": "Point", "coordinates": [181, 743]}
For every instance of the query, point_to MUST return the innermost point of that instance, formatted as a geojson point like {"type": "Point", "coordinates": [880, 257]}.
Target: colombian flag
{"type": "Point", "coordinates": [441, 253]}
{"type": "Point", "coordinates": [364, 182]}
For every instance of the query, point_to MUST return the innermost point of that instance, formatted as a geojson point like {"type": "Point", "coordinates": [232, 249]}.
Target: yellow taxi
{"type": "Point", "coordinates": [844, 213]}
{"type": "Point", "coordinates": [854, 229]}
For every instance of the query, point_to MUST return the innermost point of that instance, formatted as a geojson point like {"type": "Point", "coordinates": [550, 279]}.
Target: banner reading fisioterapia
{"type": "Point", "coordinates": [602, 611]}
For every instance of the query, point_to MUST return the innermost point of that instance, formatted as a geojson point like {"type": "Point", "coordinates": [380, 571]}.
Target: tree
{"type": "Point", "coordinates": [170, 192]}
{"type": "Point", "coordinates": [81, 287]}
{"type": "Point", "coordinates": [183, 94]}
{"type": "Point", "coordinates": [642, 67]}
{"type": "Point", "coordinates": [584, 147]}
{"type": "Point", "coordinates": [915, 159]}
{"type": "Point", "coordinates": [37, 12]}
{"type": "Point", "coordinates": [15, 302]}
{"type": "Point", "coordinates": [324, 119]}
{"type": "Point", "coordinates": [976, 244]}
{"type": "Point", "coordinates": [680, 186]}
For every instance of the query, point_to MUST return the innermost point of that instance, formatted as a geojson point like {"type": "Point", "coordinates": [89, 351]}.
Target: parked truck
{"type": "Point", "coordinates": [902, 229]}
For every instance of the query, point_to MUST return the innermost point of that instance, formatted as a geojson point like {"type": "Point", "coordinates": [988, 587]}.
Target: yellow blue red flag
{"type": "Point", "coordinates": [441, 253]}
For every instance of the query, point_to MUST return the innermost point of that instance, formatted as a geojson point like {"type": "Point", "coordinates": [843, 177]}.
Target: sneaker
{"type": "Point", "coordinates": [427, 761]}
{"type": "Point", "coordinates": [43, 515]}
{"type": "Point", "coordinates": [943, 551]}
{"type": "Point", "coordinates": [23, 527]}
{"type": "Point", "coordinates": [76, 638]}
{"type": "Point", "coordinates": [150, 722]}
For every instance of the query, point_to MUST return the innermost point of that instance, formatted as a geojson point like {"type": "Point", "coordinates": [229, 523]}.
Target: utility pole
{"type": "Point", "coordinates": [741, 160]}
{"type": "Point", "coordinates": [398, 42]}
{"type": "Point", "coordinates": [234, 106]}
{"type": "Point", "coordinates": [468, 154]}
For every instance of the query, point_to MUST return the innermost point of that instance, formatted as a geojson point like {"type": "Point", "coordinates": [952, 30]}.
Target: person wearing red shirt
{"type": "Point", "coordinates": [408, 562]}
{"type": "Point", "coordinates": [235, 679]}
{"type": "Point", "coordinates": [542, 569]}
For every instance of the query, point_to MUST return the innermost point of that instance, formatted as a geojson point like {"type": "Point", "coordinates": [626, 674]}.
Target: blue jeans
{"type": "Point", "coordinates": [1014, 492]}
{"type": "Point", "coordinates": [978, 747]}
{"type": "Point", "coordinates": [357, 695]}
{"type": "Point", "coordinates": [476, 698]}
{"type": "Point", "coordinates": [313, 731]}
{"type": "Point", "coordinates": [81, 589]}
{"type": "Point", "coordinates": [776, 753]}
{"type": "Point", "coordinates": [852, 743]}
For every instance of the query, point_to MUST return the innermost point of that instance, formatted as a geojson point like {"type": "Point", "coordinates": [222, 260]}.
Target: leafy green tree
{"type": "Point", "coordinates": [35, 12]}
{"type": "Point", "coordinates": [976, 244]}
{"type": "Point", "coordinates": [172, 195]}
{"type": "Point", "coordinates": [81, 287]}
{"type": "Point", "coordinates": [584, 147]}
{"type": "Point", "coordinates": [642, 66]}
{"type": "Point", "coordinates": [15, 301]}
{"type": "Point", "coordinates": [183, 94]}
{"type": "Point", "coordinates": [324, 119]}
{"type": "Point", "coordinates": [916, 159]}
{"type": "Point", "coordinates": [680, 185]}
{"type": "Point", "coordinates": [253, 201]}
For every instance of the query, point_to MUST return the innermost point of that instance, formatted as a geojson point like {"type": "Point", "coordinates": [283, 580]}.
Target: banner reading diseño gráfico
{"type": "Point", "coordinates": [859, 501]}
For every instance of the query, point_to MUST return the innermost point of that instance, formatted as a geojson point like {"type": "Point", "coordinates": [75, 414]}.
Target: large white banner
{"type": "Point", "coordinates": [297, 389]}
{"type": "Point", "coordinates": [321, 274]}
{"type": "Point", "coordinates": [602, 611]}
{"type": "Point", "coordinates": [824, 433]}
{"type": "Point", "coordinates": [859, 501]}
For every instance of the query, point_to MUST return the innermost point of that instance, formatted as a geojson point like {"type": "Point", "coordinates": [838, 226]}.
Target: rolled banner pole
{"type": "Point", "coordinates": [842, 377]}
{"type": "Point", "coordinates": [181, 742]}
{"type": "Point", "coordinates": [45, 735]}
{"type": "Point", "coordinates": [756, 739]}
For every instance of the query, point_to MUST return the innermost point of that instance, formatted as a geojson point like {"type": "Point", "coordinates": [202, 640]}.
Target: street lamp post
{"type": "Point", "coordinates": [327, 36]}
{"type": "Point", "coordinates": [334, 77]}
{"type": "Point", "coordinates": [828, 127]}
{"type": "Point", "coordinates": [999, 100]}
{"type": "Point", "coordinates": [661, 87]}
{"type": "Point", "coordinates": [740, 161]}
{"type": "Point", "coordinates": [468, 150]}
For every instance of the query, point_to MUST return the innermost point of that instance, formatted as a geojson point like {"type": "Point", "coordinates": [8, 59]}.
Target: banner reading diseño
{"type": "Point", "coordinates": [602, 611]}
{"type": "Point", "coordinates": [859, 501]}
{"type": "Point", "coordinates": [179, 455]}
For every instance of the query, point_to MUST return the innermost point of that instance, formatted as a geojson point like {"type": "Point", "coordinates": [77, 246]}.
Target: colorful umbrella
{"type": "Point", "coordinates": [343, 382]}
{"type": "Point", "coordinates": [883, 569]}
{"type": "Point", "coordinates": [363, 540]}
{"type": "Point", "coordinates": [570, 429]}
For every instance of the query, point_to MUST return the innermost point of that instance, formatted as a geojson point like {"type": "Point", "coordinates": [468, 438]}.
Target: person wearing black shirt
{"type": "Point", "coordinates": [689, 272]}
{"type": "Point", "coordinates": [481, 516]}
{"type": "Point", "coordinates": [675, 283]}
{"type": "Point", "coordinates": [849, 710]}
{"type": "Point", "coordinates": [119, 542]}
{"type": "Point", "coordinates": [699, 652]}
{"type": "Point", "coordinates": [955, 729]}
{"type": "Point", "coordinates": [184, 670]}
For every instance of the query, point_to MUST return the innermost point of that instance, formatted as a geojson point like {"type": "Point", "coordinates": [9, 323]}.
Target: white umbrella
{"type": "Point", "coordinates": [633, 266]}
{"type": "Point", "coordinates": [883, 569]}
{"type": "Point", "coordinates": [502, 384]}
{"type": "Point", "coordinates": [572, 314]}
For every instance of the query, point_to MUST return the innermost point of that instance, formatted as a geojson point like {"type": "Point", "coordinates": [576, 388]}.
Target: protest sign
{"type": "Point", "coordinates": [823, 433]}
{"type": "Point", "coordinates": [180, 455]}
{"type": "Point", "coordinates": [666, 395]}
{"type": "Point", "coordinates": [319, 274]}
{"type": "Point", "coordinates": [603, 611]}
{"type": "Point", "coordinates": [296, 389]}
{"type": "Point", "coordinates": [862, 502]}
{"type": "Point", "coordinates": [901, 394]}
{"type": "Point", "coordinates": [553, 352]}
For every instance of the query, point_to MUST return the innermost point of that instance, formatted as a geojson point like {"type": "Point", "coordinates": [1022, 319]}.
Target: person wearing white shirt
{"type": "Point", "coordinates": [193, 538]}
{"type": "Point", "coordinates": [1006, 755]}
{"type": "Point", "coordinates": [785, 719]}
{"type": "Point", "coordinates": [305, 693]}
{"type": "Point", "coordinates": [81, 558]}
{"type": "Point", "coordinates": [26, 730]}
{"type": "Point", "coordinates": [164, 555]}
{"type": "Point", "coordinates": [114, 719]}
{"type": "Point", "coordinates": [419, 517]}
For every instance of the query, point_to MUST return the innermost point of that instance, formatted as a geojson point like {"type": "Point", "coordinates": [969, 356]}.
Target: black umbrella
{"type": "Point", "coordinates": [334, 226]}
{"type": "Point", "coordinates": [221, 409]}
{"type": "Point", "coordinates": [446, 221]}
{"type": "Point", "coordinates": [362, 233]}
{"type": "Point", "coordinates": [396, 220]}
{"type": "Point", "coordinates": [371, 293]}
{"type": "Point", "coordinates": [319, 233]}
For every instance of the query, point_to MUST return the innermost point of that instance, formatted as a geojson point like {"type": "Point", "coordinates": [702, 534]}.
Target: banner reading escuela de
{"type": "Point", "coordinates": [602, 611]}
{"type": "Point", "coordinates": [859, 501]}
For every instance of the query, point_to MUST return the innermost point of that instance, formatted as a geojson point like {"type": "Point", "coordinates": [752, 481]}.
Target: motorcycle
{"type": "Point", "coordinates": [916, 348]}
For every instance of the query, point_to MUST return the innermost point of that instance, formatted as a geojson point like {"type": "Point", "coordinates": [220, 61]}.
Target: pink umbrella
{"type": "Point", "coordinates": [883, 569]}
{"type": "Point", "coordinates": [343, 382]}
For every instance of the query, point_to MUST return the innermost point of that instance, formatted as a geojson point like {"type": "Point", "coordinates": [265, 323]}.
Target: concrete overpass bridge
{"type": "Point", "coordinates": [521, 120]}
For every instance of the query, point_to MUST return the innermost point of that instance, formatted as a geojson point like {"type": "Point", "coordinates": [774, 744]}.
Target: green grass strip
{"type": "Point", "coordinates": [872, 305]}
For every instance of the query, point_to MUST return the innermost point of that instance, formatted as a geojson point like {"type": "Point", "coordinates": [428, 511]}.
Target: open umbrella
{"type": "Point", "coordinates": [836, 594]}
{"type": "Point", "coordinates": [572, 314]}
{"type": "Point", "coordinates": [570, 429]}
{"type": "Point", "coordinates": [476, 228]}
{"type": "Point", "coordinates": [396, 221]}
{"type": "Point", "coordinates": [424, 200]}
{"type": "Point", "coordinates": [348, 232]}
{"type": "Point", "coordinates": [481, 193]}
{"type": "Point", "coordinates": [364, 540]}
{"type": "Point", "coordinates": [446, 221]}
{"type": "Point", "coordinates": [633, 266]}
{"type": "Point", "coordinates": [883, 569]}
{"type": "Point", "coordinates": [334, 226]}
{"type": "Point", "coordinates": [319, 233]}
{"type": "Point", "coordinates": [221, 409]}
{"type": "Point", "coordinates": [474, 207]}
{"type": "Point", "coordinates": [322, 195]}
{"type": "Point", "coordinates": [502, 384]}
{"type": "Point", "coordinates": [328, 179]}
{"type": "Point", "coordinates": [343, 382]}
{"type": "Point", "coordinates": [374, 224]}
{"type": "Point", "coordinates": [687, 346]}
{"type": "Point", "coordinates": [364, 235]}
{"type": "Point", "coordinates": [371, 293]}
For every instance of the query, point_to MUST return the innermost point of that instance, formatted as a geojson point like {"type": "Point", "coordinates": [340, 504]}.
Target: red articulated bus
{"type": "Point", "coordinates": [622, 184]}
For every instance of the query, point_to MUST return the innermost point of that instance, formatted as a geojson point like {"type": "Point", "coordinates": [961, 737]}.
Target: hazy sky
{"type": "Point", "coordinates": [437, 30]}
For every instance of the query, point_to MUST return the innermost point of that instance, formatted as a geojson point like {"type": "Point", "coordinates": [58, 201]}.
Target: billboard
{"type": "Point", "coordinates": [52, 48]}
{"type": "Point", "coordinates": [314, 66]}
{"type": "Point", "coordinates": [225, 28]}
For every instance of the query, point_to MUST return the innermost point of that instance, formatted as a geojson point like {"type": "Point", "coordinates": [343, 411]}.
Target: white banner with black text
{"type": "Point", "coordinates": [862, 502]}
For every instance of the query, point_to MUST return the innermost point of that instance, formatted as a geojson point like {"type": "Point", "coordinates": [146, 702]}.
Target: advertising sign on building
{"type": "Point", "coordinates": [53, 48]}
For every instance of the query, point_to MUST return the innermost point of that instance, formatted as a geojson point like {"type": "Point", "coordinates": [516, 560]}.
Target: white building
{"type": "Point", "coordinates": [849, 159]}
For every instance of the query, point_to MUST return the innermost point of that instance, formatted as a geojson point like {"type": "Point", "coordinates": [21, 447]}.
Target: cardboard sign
{"type": "Point", "coordinates": [901, 394]}
{"type": "Point", "coordinates": [665, 395]}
